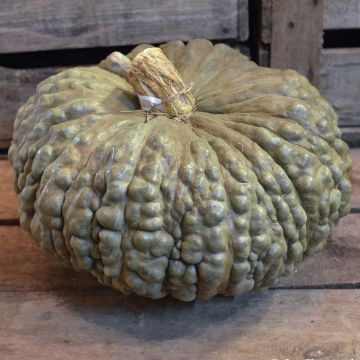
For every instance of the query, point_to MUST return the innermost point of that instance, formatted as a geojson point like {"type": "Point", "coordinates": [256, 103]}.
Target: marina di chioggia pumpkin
{"type": "Point", "coordinates": [181, 169]}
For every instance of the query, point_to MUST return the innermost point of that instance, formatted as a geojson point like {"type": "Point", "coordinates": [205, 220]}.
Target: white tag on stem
{"type": "Point", "coordinates": [148, 102]}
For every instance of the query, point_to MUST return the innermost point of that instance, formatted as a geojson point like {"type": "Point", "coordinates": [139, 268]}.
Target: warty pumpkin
{"type": "Point", "coordinates": [232, 175]}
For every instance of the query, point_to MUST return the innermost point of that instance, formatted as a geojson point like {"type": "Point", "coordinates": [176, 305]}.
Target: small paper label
{"type": "Point", "coordinates": [148, 102]}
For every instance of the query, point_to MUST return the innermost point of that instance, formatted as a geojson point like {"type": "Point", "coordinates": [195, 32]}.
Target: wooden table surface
{"type": "Point", "coordinates": [50, 312]}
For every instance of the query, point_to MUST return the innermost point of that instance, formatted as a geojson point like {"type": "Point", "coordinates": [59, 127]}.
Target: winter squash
{"type": "Point", "coordinates": [221, 181]}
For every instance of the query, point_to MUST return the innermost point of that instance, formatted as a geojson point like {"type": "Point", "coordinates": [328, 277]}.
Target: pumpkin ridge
{"type": "Point", "coordinates": [191, 60]}
{"type": "Point", "coordinates": [227, 285]}
{"type": "Point", "coordinates": [287, 107]}
{"type": "Point", "coordinates": [309, 142]}
{"type": "Point", "coordinates": [154, 240]}
{"type": "Point", "coordinates": [41, 204]}
{"type": "Point", "coordinates": [43, 124]}
{"type": "Point", "coordinates": [290, 84]}
{"type": "Point", "coordinates": [210, 76]}
{"type": "Point", "coordinates": [172, 51]}
{"type": "Point", "coordinates": [116, 184]}
{"type": "Point", "coordinates": [210, 211]}
{"type": "Point", "coordinates": [178, 270]}
{"type": "Point", "coordinates": [273, 159]}
{"type": "Point", "coordinates": [49, 142]}
{"type": "Point", "coordinates": [306, 139]}
{"type": "Point", "coordinates": [61, 165]}
{"type": "Point", "coordinates": [234, 287]}
{"type": "Point", "coordinates": [249, 91]}
{"type": "Point", "coordinates": [182, 276]}
{"type": "Point", "coordinates": [307, 156]}
{"type": "Point", "coordinates": [107, 242]}
{"type": "Point", "coordinates": [191, 245]}
{"type": "Point", "coordinates": [256, 171]}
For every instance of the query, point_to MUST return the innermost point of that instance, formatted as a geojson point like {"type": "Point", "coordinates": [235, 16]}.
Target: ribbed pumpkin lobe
{"type": "Point", "coordinates": [159, 85]}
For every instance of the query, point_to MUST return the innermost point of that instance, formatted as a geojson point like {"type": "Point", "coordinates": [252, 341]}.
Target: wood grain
{"type": "Point", "coordinates": [296, 36]}
{"type": "Point", "coordinates": [344, 14]}
{"type": "Point", "coordinates": [8, 198]}
{"type": "Point", "coordinates": [351, 135]}
{"type": "Point", "coordinates": [340, 82]}
{"type": "Point", "coordinates": [266, 21]}
{"type": "Point", "coordinates": [355, 177]}
{"type": "Point", "coordinates": [243, 22]}
{"type": "Point", "coordinates": [263, 32]}
{"type": "Point", "coordinates": [289, 324]}
{"type": "Point", "coordinates": [25, 26]}
{"type": "Point", "coordinates": [25, 267]}
{"type": "Point", "coordinates": [16, 86]}
{"type": "Point", "coordinates": [337, 265]}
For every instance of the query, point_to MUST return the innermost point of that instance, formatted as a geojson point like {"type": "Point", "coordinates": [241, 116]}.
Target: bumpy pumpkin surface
{"type": "Point", "coordinates": [228, 201]}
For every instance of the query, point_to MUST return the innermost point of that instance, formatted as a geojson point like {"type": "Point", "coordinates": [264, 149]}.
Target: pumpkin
{"type": "Point", "coordinates": [223, 181]}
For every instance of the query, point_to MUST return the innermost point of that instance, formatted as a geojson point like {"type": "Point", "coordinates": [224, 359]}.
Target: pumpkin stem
{"type": "Point", "coordinates": [159, 86]}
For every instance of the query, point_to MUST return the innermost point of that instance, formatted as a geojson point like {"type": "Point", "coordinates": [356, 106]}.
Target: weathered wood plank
{"type": "Point", "coordinates": [340, 82]}
{"type": "Point", "coordinates": [349, 122]}
{"type": "Point", "coordinates": [8, 198]}
{"type": "Point", "coordinates": [296, 36]}
{"type": "Point", "coordinates": [25, 267]}
{"type": "Point", "coordinates": [289, 324]}
{"type": "Point", "coordinates": [243, 20]}
{"type": "Point", "coordinates": [263, 55]}
{"type": "Point", "coordinates": [351, 135]}
{"type": "Point", "coordinates": [355, 177]}
{"type": "Point", "coordinates": [344, 14]}
{"type": "Point", "coordinates": [266, 21]}
{"type": "Point", "coordinates": [16, 86]}
{"type": "Point", "coordinates": [263, 31]}
{"type": "Point", "coordinates": [337, 264]}
{"type": "Point", "coordinates": [62, 24]}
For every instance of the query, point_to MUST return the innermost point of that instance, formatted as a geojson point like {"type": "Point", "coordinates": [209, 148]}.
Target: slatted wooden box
{"type": "Point", "coordinates": [48, 312]}
{"type": "Point", "coordinates": [340, 65]}
{"type": "Point", "coordinates": [298, 35]}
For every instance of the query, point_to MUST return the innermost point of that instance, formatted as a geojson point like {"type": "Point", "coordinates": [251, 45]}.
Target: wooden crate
{"type": "Point", "coordinates": [340, 67]}
{"type": "Point", "coordinates": [291, 36]}
{"type": "Point", "coordinates": [27, 27]}
{"type": "Point", "coordinates": [49, 312]}
{"type": "Point", "coordinates": [45, 24]}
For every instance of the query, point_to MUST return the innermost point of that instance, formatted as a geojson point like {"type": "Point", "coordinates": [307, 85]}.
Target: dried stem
{"type": "Point", "coordinates": [153, 74]}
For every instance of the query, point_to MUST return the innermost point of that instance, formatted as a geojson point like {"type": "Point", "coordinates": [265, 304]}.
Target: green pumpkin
{"type": "Point", "coordinates": [221, 201]}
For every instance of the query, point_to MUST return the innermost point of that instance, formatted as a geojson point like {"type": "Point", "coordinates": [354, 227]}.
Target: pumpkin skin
{"type": "Point", "coordinates": [226, 203]}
